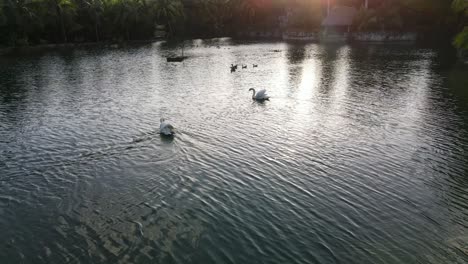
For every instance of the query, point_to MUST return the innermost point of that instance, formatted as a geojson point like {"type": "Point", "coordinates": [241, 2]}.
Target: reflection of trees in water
{"type": "Point", "coordinates": [295, 55]}
{"type": "Point", "coordinates": [390, 70]}
{"type": "Point", "coordinates": [454, 130]}
{"type": "Point", "coordinates": [328, 56]}
{"type": "Point", "coordinates": [15, 85]}
{"type": "Point", "coordinates": [9, 82]}
{"type": "Point", "coordinates": [444, 59]}
{"type": "Point", "coordinates": [440, 160]}
{"type": "Point", "coordinates": [448, 182]}
{"type": "Point", "coordinates": [132, 231]}
{"type": "Point", "coordinates": [457, 81]}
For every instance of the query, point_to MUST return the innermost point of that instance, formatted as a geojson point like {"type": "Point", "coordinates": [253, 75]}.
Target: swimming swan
{"type": "Point", "coordinates": [260, 95]}
{"type": "Point", "coordinates": [165, 128]}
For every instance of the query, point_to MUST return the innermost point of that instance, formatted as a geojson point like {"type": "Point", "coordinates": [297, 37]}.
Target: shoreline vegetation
{"type": "Point", "coordinates": [295, 37]}
{"type": "Point", "coordinates": [36, 24]}
{"type": "Point", "coordinates": [64, 46]}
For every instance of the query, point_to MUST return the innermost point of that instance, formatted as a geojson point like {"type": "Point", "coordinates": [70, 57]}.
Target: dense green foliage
{"type": "Point", "coordinates": [403, 15]}
{"type": "Point", "coordinates": [24, 22]}
{"type": "Point", "coordinates": [29, 22]}
{"type": "Point", "coordinates": [461, 40]}
{"type": "Point", "coordinates": [460, 7]}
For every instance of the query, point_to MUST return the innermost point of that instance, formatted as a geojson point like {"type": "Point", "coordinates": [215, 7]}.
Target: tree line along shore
{"type": "Point", "coordinates": [46, 22]}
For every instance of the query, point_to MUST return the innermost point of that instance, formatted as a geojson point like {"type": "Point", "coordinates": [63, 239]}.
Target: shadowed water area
{"type": "Point", "coordinates": [360, 156]}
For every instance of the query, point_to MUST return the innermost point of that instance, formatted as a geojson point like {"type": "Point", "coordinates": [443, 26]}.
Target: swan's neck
{"type": "Point", "coordinates": [253, 93]}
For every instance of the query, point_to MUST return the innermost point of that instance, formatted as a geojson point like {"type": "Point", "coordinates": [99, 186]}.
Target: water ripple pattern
{"type": "Point", "coordinates": [359, 156]}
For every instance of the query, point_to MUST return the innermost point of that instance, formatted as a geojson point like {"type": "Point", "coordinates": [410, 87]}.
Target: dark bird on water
{"type": "Point", "coordinates": [233, 68]}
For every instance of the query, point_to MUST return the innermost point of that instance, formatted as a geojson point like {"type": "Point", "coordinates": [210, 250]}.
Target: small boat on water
{"type": "Point", "coordinates": [176, 59]}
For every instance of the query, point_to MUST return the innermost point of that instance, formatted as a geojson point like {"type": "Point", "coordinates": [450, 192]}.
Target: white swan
{"type": "Point", "coordinates": [260, 95]}
{"type": "Point", "coordinates": [165, 128]}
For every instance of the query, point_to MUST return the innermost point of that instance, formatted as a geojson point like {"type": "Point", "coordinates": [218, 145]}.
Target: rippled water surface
{"type": "Point", "coordinates": [359, 156]}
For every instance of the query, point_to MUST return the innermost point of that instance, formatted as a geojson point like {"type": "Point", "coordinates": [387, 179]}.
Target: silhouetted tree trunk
{"type": "Point", "coordinates": [60, 22]}
{"type": "Point", "coordinates": [96, 25]}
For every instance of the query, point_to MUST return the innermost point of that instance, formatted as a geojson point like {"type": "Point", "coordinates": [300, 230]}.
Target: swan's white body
{"type": "Point", "coordinates": [260, 95]}
{"type": "Point", "coordinates": [165, 128]}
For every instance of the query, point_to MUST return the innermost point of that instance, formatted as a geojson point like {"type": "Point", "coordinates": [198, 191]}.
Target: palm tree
{"type": "Point", "coordinates": [59, 14]}
{"type": "Point", "coordinates": [460, 7]}
{"type": "Point", "coordinates": [2, 15]}
{"type": "Point", "coordinates": [96, 8]}
{"type": "Point", "coordinates": [168, 11]}
{"type": "Point", "coordinates": [461, 40]}
{"type": "Point", "coordinates": [386, 16]}
{"type": "Point", "coordinates": [245, 7]}
{"type": "Point", "coordinates": [127, 14]}
{"type": "Point", "coordinates": [215, 12]}
{"type": "Point", "coordinates": [20, 15]}
{"type": "Point", "coordinates": [62, 8]}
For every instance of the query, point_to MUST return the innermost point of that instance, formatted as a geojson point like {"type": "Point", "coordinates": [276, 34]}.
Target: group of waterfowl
{"type": "Point", "coordinates": [234, 67]}
{"type": "Point", "coordinates": [166, 129]}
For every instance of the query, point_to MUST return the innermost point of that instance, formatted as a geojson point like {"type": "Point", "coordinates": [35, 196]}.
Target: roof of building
{"type": "Point", "coordinates": [340, 16]}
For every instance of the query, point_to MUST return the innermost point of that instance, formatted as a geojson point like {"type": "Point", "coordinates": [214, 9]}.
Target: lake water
{"type": "Point", "coordinates": [360, 156]}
